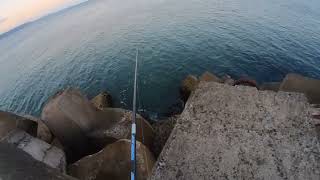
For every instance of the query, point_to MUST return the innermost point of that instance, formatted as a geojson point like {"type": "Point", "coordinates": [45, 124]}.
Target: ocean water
{"type": "Point", "coordinates": [92, 47]}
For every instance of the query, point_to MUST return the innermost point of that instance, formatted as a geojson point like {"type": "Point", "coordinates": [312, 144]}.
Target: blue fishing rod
{"type": "Point", "coordinates": [133, 126]}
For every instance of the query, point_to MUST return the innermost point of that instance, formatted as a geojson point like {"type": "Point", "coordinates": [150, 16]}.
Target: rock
{"type": "Point", "coordinates": [69, 115]}
{"type": "Point", "coordinates": [297, 83]}
{"type": "Point", "coordinates": [162, 129]}
{"type": "Point", "coordinates": [18, 165]}
{"type": "Point", "coordinates": [38, 149]}
{"type": "Point", "coordinates": [113, 162]}
{"type": "Point", "coordinates": [188, 85]}
{"type": "Point", "coordinates": [122, 128]}
{"type": "Point", "coordinates": [10, 121]}
{"type": "Point", "coordinates": [55, 142]}
{"type": "Point", "coordinates": [238, 132]}
{"type": "Point", "coordinates": [103, 100]}
{"type": "Point", "coordinates": [226, 79]}
{"type": "Point", "coordinates": [43, 132]}
{"type": "Point", "coordinates": [82, 129]}
{"type": "Point", "coordinates": [245, 82]}
{"type": "Point", "coordinates": [207, 76]}
{"type": "Point", "coordinates": [271, 86]}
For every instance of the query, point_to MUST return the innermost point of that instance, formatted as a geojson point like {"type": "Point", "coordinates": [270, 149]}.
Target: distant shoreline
{"type": "Point", "coordinates": [26, 24]}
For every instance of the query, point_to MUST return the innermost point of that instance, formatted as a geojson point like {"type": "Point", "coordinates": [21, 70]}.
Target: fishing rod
{"type": "Point", "coordinates": [133, 126]}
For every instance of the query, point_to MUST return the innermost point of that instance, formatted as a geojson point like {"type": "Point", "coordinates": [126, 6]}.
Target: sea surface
{"type": "Point", "coordinates": [92, 47]}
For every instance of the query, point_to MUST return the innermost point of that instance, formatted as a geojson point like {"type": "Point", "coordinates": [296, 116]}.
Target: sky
{"type": "Point", "coordinates": [16, 12]}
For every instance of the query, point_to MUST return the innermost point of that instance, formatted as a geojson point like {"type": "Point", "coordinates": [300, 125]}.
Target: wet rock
{"type": "Point", "coordinates": [297, 83]}
{"type": "Point", "coordinates": [18, 165]}
{"type": "Point", "coordinates": [162, 129]}
{"type": "Point", "coordinates": [207, 76]}
{"type": "Point", "coordinates": [188, 85]}
{"type": "Point", "coordinates": [103, 100]}
{"type": "Point", "coordinates": [121, 129]}
{"type": "Point", "coordinates": [83, 130]}
{"type": "Point", "coordinates": [113, 162]}
{"type": "Point", "coordinates": [271, 86]}
{"type": "Point", "coordinates": [10, 121]}
{"type": "Point", "coordinates": [38, 149]}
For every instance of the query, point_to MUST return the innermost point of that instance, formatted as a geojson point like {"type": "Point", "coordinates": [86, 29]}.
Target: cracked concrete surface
{"type": "Point", "coordinates": [228, 132]}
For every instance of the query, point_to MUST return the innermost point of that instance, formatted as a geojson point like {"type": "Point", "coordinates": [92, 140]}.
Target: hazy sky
{"type": "Point", "coordinates": [16, 12]}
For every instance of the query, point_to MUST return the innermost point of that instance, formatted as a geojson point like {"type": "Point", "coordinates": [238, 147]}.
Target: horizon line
{"type": "Point", "coordinates": [23, 25]}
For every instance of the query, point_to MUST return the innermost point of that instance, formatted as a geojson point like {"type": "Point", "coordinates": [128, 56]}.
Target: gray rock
{"type": "Point", "coordinates": [18, 165]}
{"type": "Point", "coordinates": [228, 132]}
{"type": "Point", "coordinates": [44, 132]}
{"type": "Point", "coordinates": [83, 130]}
{"type": "Point", "coordinates": [69, 115]}
{"type": "Point", "coordinates": [297, 83]}
{"type": "Point", "coordinates": [10, 121]}
{"type": "Point", "coordinates": [209, 77]}
{"type": "Point", "coordinates": [102, 100]}
{"type": "Point", "coordinates": [270, 86]}
{"type": "Point", "coordinates": [113, 162]}
{"type": "Point", "coordinates": [38, 149]}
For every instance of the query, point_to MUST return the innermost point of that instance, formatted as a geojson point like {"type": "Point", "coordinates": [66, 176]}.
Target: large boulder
{"type": "Point", "coordinates": [188, 85]}
{"type": "Point", "coordinates": [82, 129]}
{"type": "Point", "coordinates": [38, 149]}
{"type": "Point", "coordinates": [16, 164]}
{"type": "Point", "coordinates": [102, 100]}
{"type": "Point", "coordinates": [69, 115]}
{"type": "Point", "coordinates": [10, 121]}
{"type": "Point", "coordinates": [209, 77]}
{"type": "Point", "coordinates": [297, 83]}
{"type": "Point", "coordinates": [113, 162]}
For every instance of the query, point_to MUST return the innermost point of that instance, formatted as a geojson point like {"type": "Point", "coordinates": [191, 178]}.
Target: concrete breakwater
{"type": "Point", "coordinates": [227, 130]}
{"type": "Point", "coordinates": [270, 131]}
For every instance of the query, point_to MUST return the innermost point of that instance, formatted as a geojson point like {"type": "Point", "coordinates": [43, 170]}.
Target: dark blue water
{"type": "Point", "coordinates": [92, 47]}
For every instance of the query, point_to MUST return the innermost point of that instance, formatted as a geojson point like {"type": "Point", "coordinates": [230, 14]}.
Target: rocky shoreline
{"type": "Point", "coordinates": [89, 139]}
